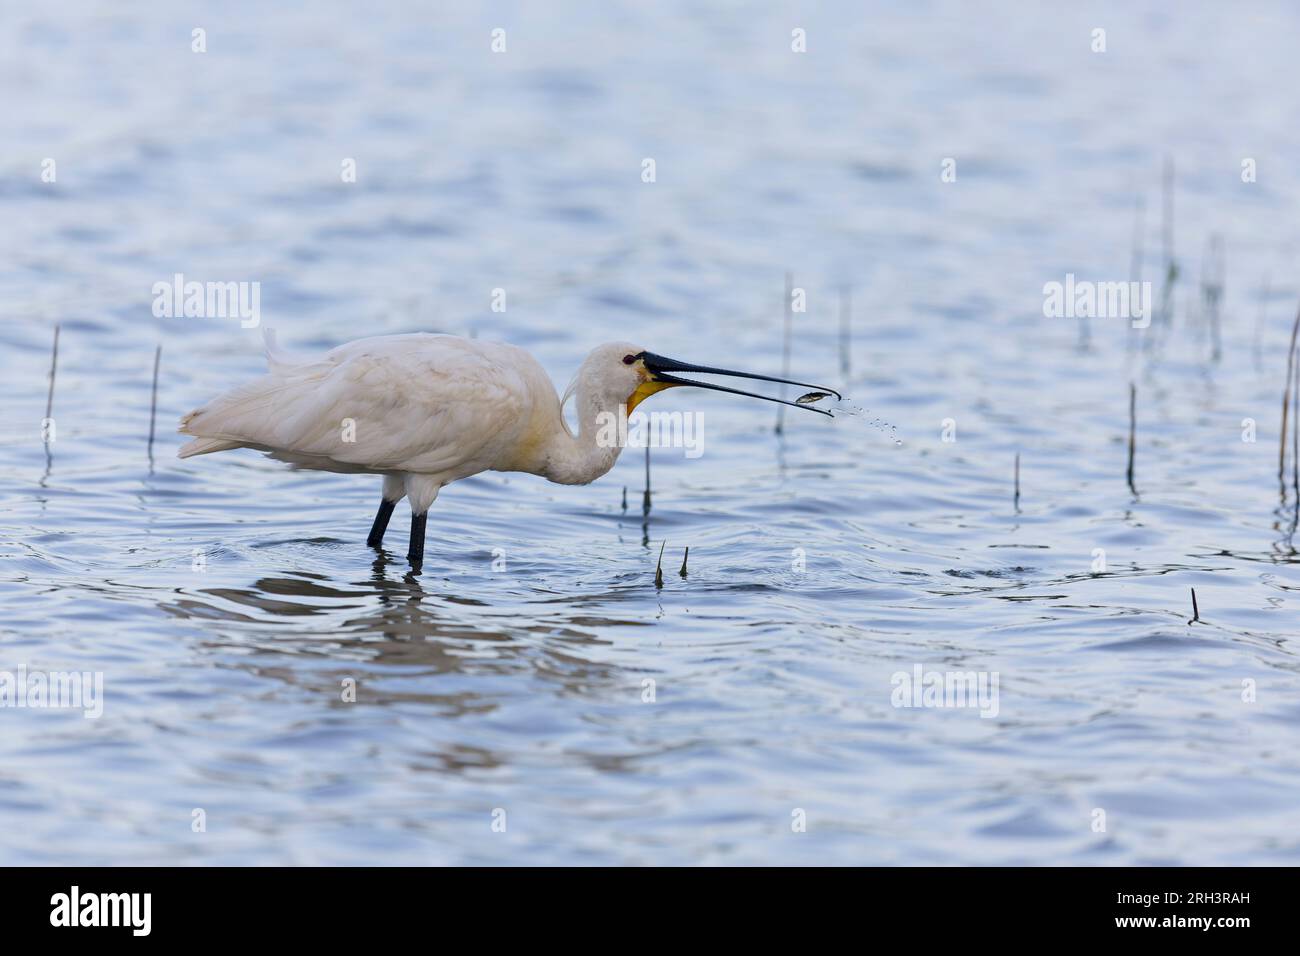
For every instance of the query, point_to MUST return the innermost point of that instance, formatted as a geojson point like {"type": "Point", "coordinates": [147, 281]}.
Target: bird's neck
{"type": "Point", "coordinates": [581, 459]}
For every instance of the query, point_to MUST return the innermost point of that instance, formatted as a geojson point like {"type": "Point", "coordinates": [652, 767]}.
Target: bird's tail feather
{"type": "Point", "coordinates": [250, 414]}
{"type": "Point", "coordinates": [221, 424]}
{"type": "Point", "coordinates": [205, 446]}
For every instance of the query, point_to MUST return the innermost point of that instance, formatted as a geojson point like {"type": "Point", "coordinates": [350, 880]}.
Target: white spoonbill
{"type": "Point", "coordinates": [424, 410]}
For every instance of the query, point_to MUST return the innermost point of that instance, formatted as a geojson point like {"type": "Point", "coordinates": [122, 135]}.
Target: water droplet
{"type": "Point", "coordinates": [853, 410]}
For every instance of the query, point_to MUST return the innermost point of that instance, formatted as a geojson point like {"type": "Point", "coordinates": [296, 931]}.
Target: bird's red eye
{"type": "Point", "coordinates": [629, 359]}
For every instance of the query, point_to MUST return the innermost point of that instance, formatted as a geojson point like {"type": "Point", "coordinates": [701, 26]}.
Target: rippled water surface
{"type": "Point", "coordinates": [228, 600]}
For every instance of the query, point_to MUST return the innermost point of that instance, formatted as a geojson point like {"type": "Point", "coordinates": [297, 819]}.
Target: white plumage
{"type": "Point", "coordinates": [424, 410]}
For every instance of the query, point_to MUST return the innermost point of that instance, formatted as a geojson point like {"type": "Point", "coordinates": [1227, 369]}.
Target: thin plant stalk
{"type": "Point", "coordinates": [785, 346]}
{"type": "Point", "coordinates": [153, 400]}
{"type": "Point", "coordinates": [1286, 402]}
{"type": "Point", "coordinates": [1132, 435]}
{"type": "Point", "coordinates": [54, 368]}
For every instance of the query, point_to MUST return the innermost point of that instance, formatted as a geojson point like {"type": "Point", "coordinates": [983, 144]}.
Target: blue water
{"type": "Point", "coordinates": [227, 600]}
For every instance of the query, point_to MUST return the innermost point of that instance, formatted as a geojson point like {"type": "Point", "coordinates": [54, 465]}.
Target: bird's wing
{"type": "Point", "coordinates": [423, 403]}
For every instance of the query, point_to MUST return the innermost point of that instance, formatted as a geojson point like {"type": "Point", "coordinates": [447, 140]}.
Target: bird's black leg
{"type": "Point", "coordinates": [416, 553]}
{"type": "Point", "coordinates": [377, 530]}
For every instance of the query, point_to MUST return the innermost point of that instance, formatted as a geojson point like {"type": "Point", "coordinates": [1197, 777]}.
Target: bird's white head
{"type": "Point", "coordinates": [620, 373]}
{"type": "Point", "coordinates": [613, 374]}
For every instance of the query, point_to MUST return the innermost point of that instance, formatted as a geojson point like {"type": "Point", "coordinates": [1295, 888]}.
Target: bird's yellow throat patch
{"type": "Point", "coordinates": [644, 391]}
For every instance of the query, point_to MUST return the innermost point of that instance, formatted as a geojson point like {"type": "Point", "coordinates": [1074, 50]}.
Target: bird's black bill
{"type": "Point", "coordinates": [662, 368]}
